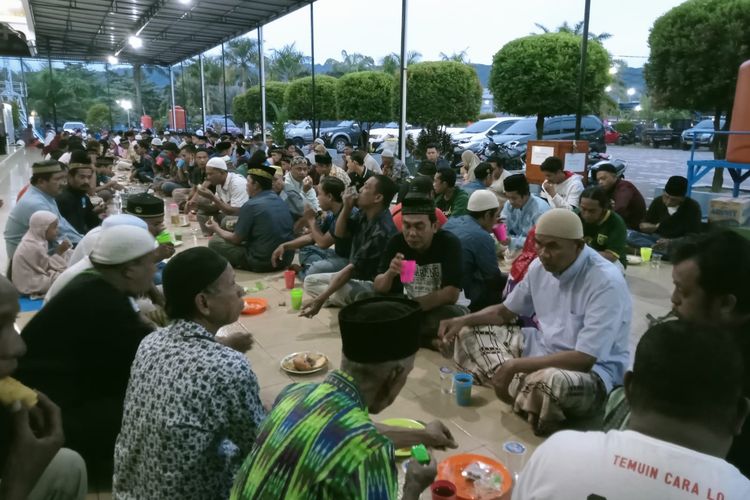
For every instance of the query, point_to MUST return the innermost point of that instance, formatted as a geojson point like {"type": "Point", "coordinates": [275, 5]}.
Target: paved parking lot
{"type": "Point", "coordinates": [649, 168]}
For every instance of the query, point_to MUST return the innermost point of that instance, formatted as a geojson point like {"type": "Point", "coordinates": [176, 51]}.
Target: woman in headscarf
{"type": "Point", "coordinates": [34, 270]}
{"type": "Point", "coordinates": [470, 162]}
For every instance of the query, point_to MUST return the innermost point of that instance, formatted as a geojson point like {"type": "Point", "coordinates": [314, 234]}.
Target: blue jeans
{"type": "Point", "coordinates": [170, 186]}
{"type": "Point", "coordinates": [316, 260]}
{"type": "Point", "coordinates": [636, 239]}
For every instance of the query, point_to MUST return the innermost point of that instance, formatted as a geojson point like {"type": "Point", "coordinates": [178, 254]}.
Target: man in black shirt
{"type": "Point", "coordinates": [357, 170]}
{"type": "Point", "coordinates": [671, 216]}
{"type": "Point", "coordinates": [73, 201]}
{"type": "Point", "coordinates": [82, 343]}
{"type": "Point", "coordinates": [437, 279]}
{"type": "Point", "coordinates": [368, 232]}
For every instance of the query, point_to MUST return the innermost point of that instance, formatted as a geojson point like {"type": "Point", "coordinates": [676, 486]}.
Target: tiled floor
{"type": "Point", "coordinates": [480, 428]}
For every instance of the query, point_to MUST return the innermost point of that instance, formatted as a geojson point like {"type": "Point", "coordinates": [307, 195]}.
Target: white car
{"type": "Point", "coordinates": [389, 132]}
{"type": "Point", "coordinates": [477, 132]}
{"type": "Point", "coordinates": [72, 126]}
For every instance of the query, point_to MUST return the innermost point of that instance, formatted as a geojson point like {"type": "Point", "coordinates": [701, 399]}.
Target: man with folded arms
{"type": "Point", "coordinates": [564, 366]}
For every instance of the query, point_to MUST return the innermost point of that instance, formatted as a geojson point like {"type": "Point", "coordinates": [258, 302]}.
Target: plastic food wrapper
{"type": "Point", "coordinates": [486, 480]}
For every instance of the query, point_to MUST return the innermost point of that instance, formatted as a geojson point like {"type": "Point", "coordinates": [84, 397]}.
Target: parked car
{"type": "Point", "coordinates": [300, 133]}
{"type": "Point", "coordinates": [73, 126]}
{"type": "Point", "coordinates": [611, 136]}
{"type": "Point", "coordinates": [388, 132]}
{"type": "Point", "coordinates": [337, 136]}
{"type": "Point", "coordinates": [217, 122]}
{"type": "Point", "coordinates": [475, 135]}
{"type": "Point", "coordinates": [659, 135]}
{"type": "Point", "coordinates": [555, 128]}
{"type": "Point", "coordinates": [702, 134]}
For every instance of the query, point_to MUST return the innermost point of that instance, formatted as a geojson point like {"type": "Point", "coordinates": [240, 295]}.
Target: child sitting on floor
{"type": "Point", "coordinates": [34, 269]}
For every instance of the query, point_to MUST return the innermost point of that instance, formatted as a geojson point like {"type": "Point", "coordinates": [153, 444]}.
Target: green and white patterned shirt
{"type": "Point", "coordinates": [319, 443]}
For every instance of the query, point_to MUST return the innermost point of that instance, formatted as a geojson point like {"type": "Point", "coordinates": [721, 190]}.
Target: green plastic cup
{"type": "Point", "coordinates": [164, 237]}
{"type": "Point", "coordinates": [296, 294]}
{"type": "Point", "coordinates": [646, 254]}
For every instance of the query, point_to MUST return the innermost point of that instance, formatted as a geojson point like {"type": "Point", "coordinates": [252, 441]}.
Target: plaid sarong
{"type": "Point", "coordinates": [545, 397]}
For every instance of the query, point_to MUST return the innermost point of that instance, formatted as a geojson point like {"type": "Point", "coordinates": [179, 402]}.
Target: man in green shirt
{"type": "Point", "coordinates": [450, 199]}
{"type": "Point", "coordinates": [603, 229]}
{"type": "Point", "coordinates": [318, 442]}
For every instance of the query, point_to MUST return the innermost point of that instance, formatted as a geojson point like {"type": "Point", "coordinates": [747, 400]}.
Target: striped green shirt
{"type": "Point", "coordinates": [319, 443]}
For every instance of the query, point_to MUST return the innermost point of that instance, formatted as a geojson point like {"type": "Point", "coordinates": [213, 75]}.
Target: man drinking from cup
{"type": "Point", "coordinates": [423, 263]}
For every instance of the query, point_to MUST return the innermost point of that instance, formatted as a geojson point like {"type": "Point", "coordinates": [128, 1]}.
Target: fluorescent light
{"type": "Point", "coordinates": [135, 42]}
{"type": "Point", "coordinates": [185, 2]}
{"type": "Point", "coordinates": [112, 60]}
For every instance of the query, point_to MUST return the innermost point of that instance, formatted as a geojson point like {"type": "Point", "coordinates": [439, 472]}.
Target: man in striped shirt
{"type": "Point", "coordinates": [318, 442]}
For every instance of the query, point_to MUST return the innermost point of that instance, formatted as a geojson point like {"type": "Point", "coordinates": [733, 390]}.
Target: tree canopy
{"type": "Point", "coordinates": [696, 49]}
{"type": "Point", "coordinates": [443, 92]}
{"type": "Point", "coordinates": [97, 117]}
{"type": "Point", "coordinates": [538, 75]}
{"type": "Point", "coordinates": [250, 104]}
{"type": "Point", "coordinates": [365, 96]}
{"type": "Point", "coordinates": [299, 98]}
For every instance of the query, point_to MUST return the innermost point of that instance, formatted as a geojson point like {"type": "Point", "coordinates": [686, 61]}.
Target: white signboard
{"type": "Point", "coordinates": [541, 153]}
{"type": "Point", "coordinates": [575, 162]}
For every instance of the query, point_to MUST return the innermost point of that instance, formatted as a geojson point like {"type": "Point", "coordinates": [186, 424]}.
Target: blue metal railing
{"type": "Point", "coordinates": [697, 169]}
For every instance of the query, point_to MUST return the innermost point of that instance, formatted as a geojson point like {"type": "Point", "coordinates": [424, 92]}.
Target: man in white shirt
{"type": "Point", "coordinates": [687, 403]}
{"type": "Point", "coordinates": [225, 204]}
{"type": "Point", "coordinates": [577, 347]}
{"type": "Point", "coordinates": [298, 181]}
{"type": "Point", "coordinates": [561, 189]}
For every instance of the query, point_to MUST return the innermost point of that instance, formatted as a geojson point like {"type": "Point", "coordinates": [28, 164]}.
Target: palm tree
{"type": "Point", "coordinates": [575, 30]}
{"type": "Point", "coordinates": [287, 63]}
{"type": "Point", "coordinates": [241, 58]}
{"type": "Point", "coordinates": [392, 62]}
{"type": "Point", "coordinates": [461, 57]}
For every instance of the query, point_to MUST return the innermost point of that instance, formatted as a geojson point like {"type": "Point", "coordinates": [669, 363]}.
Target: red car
{"type": "Point", "coordinates": [611, 136]}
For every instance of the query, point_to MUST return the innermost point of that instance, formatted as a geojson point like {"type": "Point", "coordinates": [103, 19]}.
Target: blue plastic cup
{"type": "Point", "coordinates": [462, 383]}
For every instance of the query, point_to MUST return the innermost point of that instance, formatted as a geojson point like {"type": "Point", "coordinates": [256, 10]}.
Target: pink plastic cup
{"type": "Point", "coordinates": [289, 276]}
{"type": "Point", "coordinates": [443, 490]}
{"type": "Point", "coordinates": [500, 232]}
{"type": "Point", "coordinates": [408, 268]}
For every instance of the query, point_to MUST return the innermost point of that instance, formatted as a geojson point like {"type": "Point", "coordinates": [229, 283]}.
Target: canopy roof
{"type": "Point", "coordinates": [171, 30]}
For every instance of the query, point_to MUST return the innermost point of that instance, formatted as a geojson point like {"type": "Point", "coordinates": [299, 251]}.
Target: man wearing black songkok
{"type": "Point", "coordinates": [192, 408]}
{"type": "Point", "coordinates": [264, 223]}
{"type": "Point", "coordinates": [671, 216]}
{"type": "Point", "coordinates": [327, 426]}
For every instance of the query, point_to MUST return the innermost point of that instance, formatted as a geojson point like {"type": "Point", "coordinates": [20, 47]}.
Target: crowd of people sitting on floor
{"type": "Point", "coordinates": [152, 403]}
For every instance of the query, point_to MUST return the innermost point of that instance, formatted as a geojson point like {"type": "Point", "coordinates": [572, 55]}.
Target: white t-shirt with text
{"type": "Point", "coordinates": [625, 465]}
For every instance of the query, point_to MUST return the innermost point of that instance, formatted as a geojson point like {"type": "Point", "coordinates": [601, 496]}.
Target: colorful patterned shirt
{"type": "Point", "coordinates": [192, 412]}
{"type": "Point", "coordinates": [319, 443]}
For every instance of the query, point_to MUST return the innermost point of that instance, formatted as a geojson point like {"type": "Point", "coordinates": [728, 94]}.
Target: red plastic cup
{"type": "Point", "coordinates": [443, 490]}
{"type": "Point", "coordinates": [408, 268]}
{"type": "Point", "coordinates": [500, 231]}
{"type": "Point", "coordinates": [289, 276]}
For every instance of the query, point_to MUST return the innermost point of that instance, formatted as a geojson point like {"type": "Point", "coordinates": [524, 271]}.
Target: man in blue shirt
{"type": "Point", "coordinates": [578, 350]}
{"type": "Point", "coordinates": [482, 281]}
{"type": "Point", "coordinates": [483, 178]}
{"type": "Point", "coordinates": [47, 181]}
{"type": "Point", "coordinates": [264, 223]}
{"type": "Point", "coordinates": [521, 211]}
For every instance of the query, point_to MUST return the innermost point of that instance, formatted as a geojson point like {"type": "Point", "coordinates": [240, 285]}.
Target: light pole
{"type": "Point", "coordinates": [127, 105]}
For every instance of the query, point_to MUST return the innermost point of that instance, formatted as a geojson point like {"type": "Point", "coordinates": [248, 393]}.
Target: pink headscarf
{"type": "Point", "coordinates": [33, 270]}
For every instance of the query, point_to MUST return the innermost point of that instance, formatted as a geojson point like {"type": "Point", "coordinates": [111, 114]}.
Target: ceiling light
{"type": "Point", "coordinates": [112, 60]}
{"type": "Point", "coordinates": [135, 42]}
{"type": "Point", "coordinates": [184, 2]}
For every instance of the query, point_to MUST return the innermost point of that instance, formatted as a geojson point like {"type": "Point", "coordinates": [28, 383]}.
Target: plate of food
{"type": "Point", "coordinates": [474, 475]}
{"type": "Point", "coordinates": [634, 260]}
{"type": "Point", "coordinates": [302, 363]}
{"type": "Point", "coordinates": [405, 423]}
{"type": "Point", "coordinates": [254, 305]}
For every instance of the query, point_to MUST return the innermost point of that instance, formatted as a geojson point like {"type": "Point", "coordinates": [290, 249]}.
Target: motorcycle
{"type": "Point", "coordinates": [512, 158]}
{"type": "Point", "coordinates": [596, 160]}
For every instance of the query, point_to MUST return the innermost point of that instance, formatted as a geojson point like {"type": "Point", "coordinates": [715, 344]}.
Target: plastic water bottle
{"type": "Point", "coordinates": [117, 203]}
